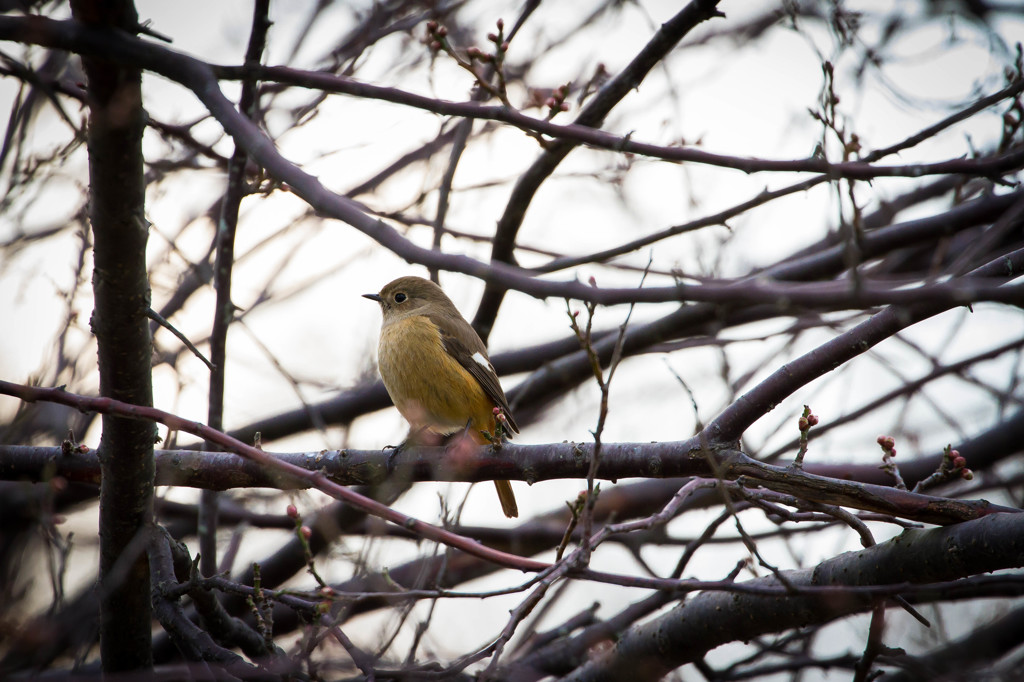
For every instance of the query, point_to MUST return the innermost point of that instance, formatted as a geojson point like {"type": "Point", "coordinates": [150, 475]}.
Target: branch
{"type": "Point", "coordinates": [119, 320]}
{"type": "Point", "coordinates": [201, 79]}
{"type": "Point", "coordinates": [533, 463]}
{"type": "Point", "coordinates": [286, 473]}
{"type": "Point", "coordinates": [710, 619]}
{"type": "Point", "coordinates": [735, 419]}
{"type": "Point", "coordinates": [577, 133]}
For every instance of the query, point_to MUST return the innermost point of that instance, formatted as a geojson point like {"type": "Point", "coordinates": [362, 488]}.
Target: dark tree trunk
{"type": "Point", "coordinates": [121, 326]}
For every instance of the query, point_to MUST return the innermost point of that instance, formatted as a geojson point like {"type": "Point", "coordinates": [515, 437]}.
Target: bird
{"type": "Point", "coordinates": [436, 369]}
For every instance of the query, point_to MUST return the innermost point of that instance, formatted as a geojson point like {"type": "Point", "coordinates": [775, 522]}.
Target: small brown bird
{"type": "Point", "coordinates": [436, 369]}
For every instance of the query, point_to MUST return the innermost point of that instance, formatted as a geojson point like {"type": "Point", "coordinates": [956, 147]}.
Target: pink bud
{"type": "Point", "coordinates": [812, 419]}
{"type": "Point", "coordinates": [292, 512]}
{"type": "Point", "coordinates": [592, 281]}
{"type": "Point", "coordinates": [959, 462]}
{"type": "Point", "coordinates": [967, 474]}
{"type": "Point", "coordinates": [306, 531]}
{"type": "Point", "coordinates": [501, 24]}
{"type": "Point", "coordinates": [493, 37]}
{"type": "Point", "coordinates": [802, 424]}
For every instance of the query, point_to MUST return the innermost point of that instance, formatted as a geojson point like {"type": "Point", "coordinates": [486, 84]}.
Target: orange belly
{"type": "Point", "coordinates": [428, 386]}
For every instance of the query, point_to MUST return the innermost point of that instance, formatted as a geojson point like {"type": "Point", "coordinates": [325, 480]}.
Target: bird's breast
{"type": "Point", "coordinates": [428, 386]}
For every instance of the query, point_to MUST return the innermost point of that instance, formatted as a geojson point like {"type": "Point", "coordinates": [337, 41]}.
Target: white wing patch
{"type": "Point", "coordinates": [482, 361]}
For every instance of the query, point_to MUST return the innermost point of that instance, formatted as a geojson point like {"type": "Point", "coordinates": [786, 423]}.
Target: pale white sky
{"type": "Point", "coordinates": [740, 99]}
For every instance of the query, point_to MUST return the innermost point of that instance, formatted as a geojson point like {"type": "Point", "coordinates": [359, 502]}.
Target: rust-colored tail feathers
{"type": "Point", "coordinates": [508, 499]}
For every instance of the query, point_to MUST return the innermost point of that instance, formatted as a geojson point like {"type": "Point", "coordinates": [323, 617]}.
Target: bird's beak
{"type": "Point", "coordinates": [372, 297]}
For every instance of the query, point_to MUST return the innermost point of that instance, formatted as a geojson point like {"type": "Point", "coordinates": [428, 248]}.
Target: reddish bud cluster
{"type": "Point", "coordinates": [807, 420]}
{"type": "Point", "coordinates": [476, 54]}
{"type": "Point", "coordinates": [959, 462]}
{"type": "Point", "coordinates": [556, 101]}
{"type": "Point", "coordinates": [435, 35]}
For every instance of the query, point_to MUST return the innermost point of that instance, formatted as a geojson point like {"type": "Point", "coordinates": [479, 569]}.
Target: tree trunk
{"type": "Point", "coordinates": [121, 326]}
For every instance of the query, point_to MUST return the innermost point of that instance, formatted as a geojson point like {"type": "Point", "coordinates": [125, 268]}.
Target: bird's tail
{"type": "Point", "coordinates": [508, 499]}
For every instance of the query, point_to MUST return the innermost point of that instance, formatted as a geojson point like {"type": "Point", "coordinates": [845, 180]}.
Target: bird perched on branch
{"type": "Point", "coordinates": [436, 370]}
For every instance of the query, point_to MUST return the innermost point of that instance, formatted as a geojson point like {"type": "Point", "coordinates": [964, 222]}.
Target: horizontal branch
{"type": "Point", "coordinates": [282, 471]}
{"type": "Point", "coordinates": [36, 30]}
{"type": "Point", "coordinates": [599, 139]}
{"type": "Point", "coordinates": [331, 470]}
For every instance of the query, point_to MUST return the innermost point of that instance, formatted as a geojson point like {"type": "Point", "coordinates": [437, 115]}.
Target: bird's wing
{"type": "Point", "coordinates": [473, 358]}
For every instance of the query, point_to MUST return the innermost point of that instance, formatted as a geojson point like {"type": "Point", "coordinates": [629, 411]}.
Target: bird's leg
{"type": "Point", "coordinates": [466, 433]}
{"type": "Point", "coordinates": [389, 460]}
{"type": "Point", "coordinates": [417, 436]}
{"type": "Point", "coordinates": [411, 439]}
{"type": "Point", "coordinates": [456, 436]}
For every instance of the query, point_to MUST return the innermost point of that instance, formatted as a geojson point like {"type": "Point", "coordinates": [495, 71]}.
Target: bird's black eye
{"type": "Point", "coordinates": [400, 297]}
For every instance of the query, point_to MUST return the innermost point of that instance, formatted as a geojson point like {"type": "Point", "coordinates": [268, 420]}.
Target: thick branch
{"type": "Point", "coordinates": [684, 458]}
{"type": "Point", "coordinates": [710, 619]}
{"type": "Point", "coordinates": [119, 321]}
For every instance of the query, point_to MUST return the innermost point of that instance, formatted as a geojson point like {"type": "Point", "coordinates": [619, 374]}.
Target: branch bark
{"type": "Point", "coordinates": [121, 326]}
{"type": "Point", "coordinates": [710, 619]}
